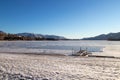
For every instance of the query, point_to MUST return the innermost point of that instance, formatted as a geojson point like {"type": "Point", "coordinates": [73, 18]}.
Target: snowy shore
{"type": "Point", "coordinates": [45, 67]}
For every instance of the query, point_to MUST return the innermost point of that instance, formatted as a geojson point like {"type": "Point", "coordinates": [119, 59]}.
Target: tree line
{"type": "Point", "coordinates": [4, 36]}
{"type": "Point", "coordinates": [11, 37]}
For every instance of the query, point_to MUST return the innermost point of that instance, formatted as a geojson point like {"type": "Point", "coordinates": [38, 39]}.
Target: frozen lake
{"type": "Point", "coordinates": [62, 47]}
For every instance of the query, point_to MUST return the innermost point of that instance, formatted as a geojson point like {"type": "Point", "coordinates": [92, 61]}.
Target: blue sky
{"type": "Point", "coordinates": [69, 18]}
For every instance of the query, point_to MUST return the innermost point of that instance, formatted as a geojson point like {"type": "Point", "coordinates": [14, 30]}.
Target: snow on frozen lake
{"type": "Point", "coordinates": [62, 47]}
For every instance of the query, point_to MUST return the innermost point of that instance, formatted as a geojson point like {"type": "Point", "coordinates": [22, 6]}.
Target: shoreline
{"type": "Point", "coordinates": [58, 54]}
{"type": "Point", "coordinates": [21, 53]}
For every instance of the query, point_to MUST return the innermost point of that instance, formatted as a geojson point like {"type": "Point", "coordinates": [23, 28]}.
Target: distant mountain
{"type": "Point", "coordinates": [53, 37]}
{"type": "Point", "coordinates": [2, 32]}
{"type": "Point", "coordinates": [30, 35]}
{"type": "Point", "coordinates": [110, 36]}
{"type": "Point", "coordinates": [48, 37]}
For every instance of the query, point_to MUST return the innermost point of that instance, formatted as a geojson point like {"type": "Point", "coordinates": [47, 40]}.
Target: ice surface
{"type": "Point", "coordinates": [62, 47]}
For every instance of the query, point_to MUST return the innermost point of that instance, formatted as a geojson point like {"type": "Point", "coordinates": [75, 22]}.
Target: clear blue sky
{"type": "Point", "coordinates": [69, 18]}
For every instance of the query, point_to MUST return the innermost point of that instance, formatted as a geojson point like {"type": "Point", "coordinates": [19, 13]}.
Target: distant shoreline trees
{"type": "Point", "coordinates": [2, 35]}
{"type": "Point", "coordinates": [12, 37]}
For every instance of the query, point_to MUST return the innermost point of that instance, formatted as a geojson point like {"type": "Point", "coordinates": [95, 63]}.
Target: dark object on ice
{"type": "Point", "coordinates": [81, 53]}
